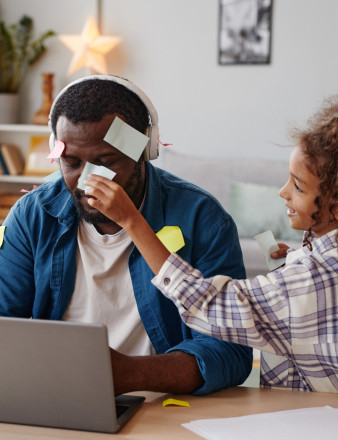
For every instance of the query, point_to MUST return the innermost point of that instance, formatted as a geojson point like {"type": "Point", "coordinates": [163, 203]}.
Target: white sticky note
{"type": "Point", "coordinates": [126, 139]}
{"type": "Point", "coordinates": [268, 244]}
{"type": "Point", "coordinates": [94, 169]}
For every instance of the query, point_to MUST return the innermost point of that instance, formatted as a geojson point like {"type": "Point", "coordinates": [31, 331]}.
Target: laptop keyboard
{"type": "Point", "coordinates": [120, 409]}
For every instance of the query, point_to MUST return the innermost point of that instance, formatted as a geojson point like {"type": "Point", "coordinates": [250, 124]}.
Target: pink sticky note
{"type": "Point", "coordinates": [164, 145]}
{"type": "Point", "coordinates": [59, 146]}
{"type": "Point", "coordinates": [26, 190]}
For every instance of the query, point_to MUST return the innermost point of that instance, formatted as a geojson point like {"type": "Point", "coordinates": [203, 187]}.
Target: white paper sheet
{"type": "Point", "coordinates": [298, 424]}
{"type": "Point", "coordinates": [268, 244]}
{"type": "Point", "coordinates": [94, 169]}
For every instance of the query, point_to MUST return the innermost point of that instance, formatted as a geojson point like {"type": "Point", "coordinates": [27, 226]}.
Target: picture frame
{"type": "Point", "coordinates": [245, 32]}
{"type": "Point", "coordinates": [37, 163]}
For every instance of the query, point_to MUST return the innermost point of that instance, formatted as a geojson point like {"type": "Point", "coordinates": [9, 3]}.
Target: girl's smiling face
{"type": "Point", "coordinates": [300, 192]}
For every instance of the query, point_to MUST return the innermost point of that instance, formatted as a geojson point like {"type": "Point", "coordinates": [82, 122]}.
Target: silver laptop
{"type": "Point", "coordinates": [59, 374]}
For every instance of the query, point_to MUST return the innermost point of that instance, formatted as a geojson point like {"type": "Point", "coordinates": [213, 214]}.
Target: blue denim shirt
{"type": "Point", "coordinates": [38, 266]}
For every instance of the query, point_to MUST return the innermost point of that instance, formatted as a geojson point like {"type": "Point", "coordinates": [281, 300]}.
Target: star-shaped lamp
{"type": "Point", "coordinates": [89, 48]}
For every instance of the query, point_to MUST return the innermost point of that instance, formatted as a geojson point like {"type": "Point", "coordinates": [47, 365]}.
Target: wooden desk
{"type": "Point", "coordinates": [153, 421]}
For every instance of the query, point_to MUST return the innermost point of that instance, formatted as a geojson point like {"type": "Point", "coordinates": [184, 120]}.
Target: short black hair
{"type": "Point", "coordinates": [90, 100]}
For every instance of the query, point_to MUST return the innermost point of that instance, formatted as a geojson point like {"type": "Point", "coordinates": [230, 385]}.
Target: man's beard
{"type": "Point", "coordinates": [133, 188]}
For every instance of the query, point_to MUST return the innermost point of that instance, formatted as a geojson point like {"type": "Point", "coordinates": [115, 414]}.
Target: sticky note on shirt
{"type": "Point", "coordinates": [126, 139]}
{"type": "Point", "coordinates": [171, 237]}
{"type": "Point", "coordinates": [2, 233]}
{"type": "Point", "coordinates": [94, 169]}
{"type": "Point", "coordinates": [268, 244]}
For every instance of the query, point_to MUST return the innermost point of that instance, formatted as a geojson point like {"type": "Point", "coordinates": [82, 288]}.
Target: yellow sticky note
{"type": "Point", "coordinates": [171, 237]}
{"type": "Point", "coordinates": [175, 402]}
{"type": "Point", "coordinates": [2, 232]}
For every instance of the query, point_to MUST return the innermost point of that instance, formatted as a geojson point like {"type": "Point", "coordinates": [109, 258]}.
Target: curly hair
{"type": "Point", "coordinates": [319, 143]}
{"type": "Point", "coordinates": [90, 100]}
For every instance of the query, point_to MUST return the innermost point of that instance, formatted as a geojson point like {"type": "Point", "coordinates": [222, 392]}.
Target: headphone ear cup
{"type": "Point", "coordinates": [51, 142]}
{"type": "Point", "coordinates": [153, 143]}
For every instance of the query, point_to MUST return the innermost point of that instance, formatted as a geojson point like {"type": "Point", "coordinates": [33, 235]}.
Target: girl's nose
{"type": "Point", "coordinates": [283, 191]}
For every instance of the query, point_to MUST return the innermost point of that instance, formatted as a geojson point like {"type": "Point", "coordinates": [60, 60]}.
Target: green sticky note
{"type": "Point", "coordinates": [2, 233]}
{"type": "Point", "coordinates": [171, 237]}
{"type": "Point", "coordinates": [126, 139]}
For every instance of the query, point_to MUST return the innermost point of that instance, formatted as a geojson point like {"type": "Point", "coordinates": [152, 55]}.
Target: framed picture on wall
{"type": "Point", "coordinates": [244, 31]}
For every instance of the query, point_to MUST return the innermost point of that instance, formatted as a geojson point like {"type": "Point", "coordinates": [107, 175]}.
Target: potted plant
{"type": "Point", "coordinates": [18, 51]}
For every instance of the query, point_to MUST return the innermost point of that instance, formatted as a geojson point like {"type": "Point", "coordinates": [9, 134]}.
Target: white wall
{"type": "Point", "coordinates": [169, 49]}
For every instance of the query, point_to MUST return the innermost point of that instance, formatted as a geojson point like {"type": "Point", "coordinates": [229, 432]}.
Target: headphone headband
{"type": "Point", "coordinates": [152, 149]}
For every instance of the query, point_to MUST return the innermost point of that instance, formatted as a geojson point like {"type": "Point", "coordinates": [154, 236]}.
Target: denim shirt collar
{"type": "Point", "coordinates": [61, 206]}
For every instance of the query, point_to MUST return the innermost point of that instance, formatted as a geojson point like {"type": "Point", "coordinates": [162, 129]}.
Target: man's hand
{"type": "Point", "coordinates": [175, 372]}
{"type": "Point", "coordinates": [281, 252]}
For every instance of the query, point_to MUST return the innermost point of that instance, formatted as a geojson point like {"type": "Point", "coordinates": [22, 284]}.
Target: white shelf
{"type": "Point", "coordinates": [24, 128]}
{"type": "Point", "coordinates": [21, 179]}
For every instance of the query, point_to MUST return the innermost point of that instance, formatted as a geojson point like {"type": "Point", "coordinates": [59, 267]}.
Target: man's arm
{"type": "Point", "coordinates": [175, 372]}
{"type": "Point", "coordinates": [221, 364]}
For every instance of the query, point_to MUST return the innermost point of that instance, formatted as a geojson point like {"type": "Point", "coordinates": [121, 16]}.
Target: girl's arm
{"type": "Point", "coordinates": [114, 203]}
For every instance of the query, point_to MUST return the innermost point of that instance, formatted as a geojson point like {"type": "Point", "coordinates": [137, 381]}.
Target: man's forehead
{"type": "Point", "coordinates": [111, 129]}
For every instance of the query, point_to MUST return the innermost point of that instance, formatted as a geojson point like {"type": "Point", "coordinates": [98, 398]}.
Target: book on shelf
{"type": "Point", "coordinates": [3, 165]}
{"type": "Point", "coordinates": [11, 156]}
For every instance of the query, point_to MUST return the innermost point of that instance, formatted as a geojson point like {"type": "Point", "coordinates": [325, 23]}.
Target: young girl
{"type": "Point", "coordinates": [291, 314]}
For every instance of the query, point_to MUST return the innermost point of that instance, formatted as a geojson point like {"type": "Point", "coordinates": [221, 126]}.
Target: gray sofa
{"type": "Point", "coordinates": [248, 190]}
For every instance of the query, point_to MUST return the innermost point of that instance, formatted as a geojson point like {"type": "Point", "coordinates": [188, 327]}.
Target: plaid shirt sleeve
{"type": "Point", "coordinates": [272, 313]}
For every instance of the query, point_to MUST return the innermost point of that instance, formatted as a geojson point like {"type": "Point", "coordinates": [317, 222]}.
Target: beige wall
{"type": "Point", "coordinates": [170, 50]}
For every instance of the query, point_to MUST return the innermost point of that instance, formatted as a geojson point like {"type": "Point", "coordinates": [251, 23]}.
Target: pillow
{"type": "Point", "coordinates": [256, 208]}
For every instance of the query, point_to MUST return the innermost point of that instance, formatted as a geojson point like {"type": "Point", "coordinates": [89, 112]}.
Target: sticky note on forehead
{"type": "Point", "coordinates": [171, 237]}
{"type": "Point", "coordinates": [126, 139]}
{"type": "Point", "coordinates": [94, 169]}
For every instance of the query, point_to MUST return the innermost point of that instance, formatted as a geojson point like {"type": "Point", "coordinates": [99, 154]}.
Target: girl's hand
{"type": "Point", "coordinates": [110, 199]}
{"type": "Point", "coordinates": [281, 252]}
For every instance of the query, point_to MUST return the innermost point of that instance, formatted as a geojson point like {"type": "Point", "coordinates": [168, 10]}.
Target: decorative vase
{"type": "Point", "coordinates": [9, 108]}
{"type": "Point", "coordinates": [42, 115]}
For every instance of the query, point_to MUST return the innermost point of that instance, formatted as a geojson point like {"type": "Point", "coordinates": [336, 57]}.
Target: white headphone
{"type": "Point", "coordinates": [151, 149]}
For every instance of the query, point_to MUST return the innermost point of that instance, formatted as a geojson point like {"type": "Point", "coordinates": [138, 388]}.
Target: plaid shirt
{"type": "Point", "coordinates": [290, 314]}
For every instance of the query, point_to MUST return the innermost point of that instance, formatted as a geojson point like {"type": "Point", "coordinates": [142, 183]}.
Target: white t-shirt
{"type": "Point", "coordinates": [103, 291]}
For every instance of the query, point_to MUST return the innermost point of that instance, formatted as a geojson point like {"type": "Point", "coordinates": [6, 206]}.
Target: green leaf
{"type": "Point", "coordinates": [18, 52]}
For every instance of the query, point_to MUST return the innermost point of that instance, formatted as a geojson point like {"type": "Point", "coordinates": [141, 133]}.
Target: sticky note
{"type": "Point", "coordinates": [126, 139]}
{"type": "Point", "coordinates": [57, 150]}
{"type": "Point", "coordinates": [268, 244]}
{"type": "Point", "coordinates": [53, 176]}
{"type": "Point", "coordinates": [171, 237]}
{"type": "Point", "coordinates": [26, 190]}
{"type": "Point", "coordinates": [175, 402]}
{"type": "Point", "coordinates": [94, 169]}
{"type": "Point", "coordinates": [2, 233]}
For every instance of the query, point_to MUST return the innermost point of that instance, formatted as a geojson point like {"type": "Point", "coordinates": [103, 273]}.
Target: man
{"type": "Point", "coordinates": [63, 259]}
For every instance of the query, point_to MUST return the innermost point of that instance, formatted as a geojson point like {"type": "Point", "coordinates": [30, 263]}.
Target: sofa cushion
{"type": "Point", "coordinates": [216, 174]}
{"type": "Point", "coordinates": [256, 208]}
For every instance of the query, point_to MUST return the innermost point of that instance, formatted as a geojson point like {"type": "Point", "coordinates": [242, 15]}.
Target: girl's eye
{"type": "Point", "coordinates": [297, 188]}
